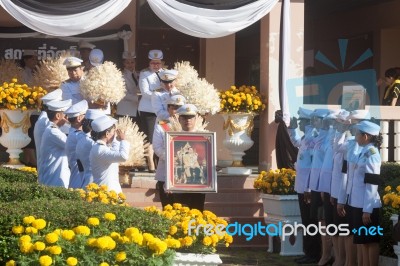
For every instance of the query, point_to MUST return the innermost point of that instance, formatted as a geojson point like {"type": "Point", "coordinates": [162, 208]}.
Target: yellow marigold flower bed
{"type": "Point", "coordinates": [277, 182]}
{"type": "Point", "coordinates": [243, 99]}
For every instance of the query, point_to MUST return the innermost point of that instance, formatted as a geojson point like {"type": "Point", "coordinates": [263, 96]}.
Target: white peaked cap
{"type": "Point", "coordinates": [77, 109]}
{"type": "Point", "coordinates": [94, 113]}
{"type": "Point", "coordinates": [343, 117]}
{"type": "Point", "coordinates": [368, 127]}
{"type": "Point", "coordinates": [187, 109]}
{"type": "Point", "coordinates": [96, 57]}
{"type": "Point", "coordinates": [55, 95]}
{"type": "Point", "coordinates": [102, 123]}
{"type": "Point", "coordinates": [304, 113]}
{"type": "Point", "coordinates": [168, 75]}
{"type": "Point", "coordinates": [156, 55]}
{"type": "Point", "coordinates": [72, 62]}
{"type": "Point", "coordinates": [59, 106]}
{"type": "Point", "coordinates": [177, 100]}
{"type": "Point", "coordinates": [85, 44]}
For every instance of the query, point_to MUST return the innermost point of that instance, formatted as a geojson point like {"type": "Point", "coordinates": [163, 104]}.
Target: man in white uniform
{"type": "Point", "coordinates": [54, 170]}
{"type": "Point", "coordinates": [104, 159]}
{"type": "Point", "coordinates": [148, 83]}
{"type": "Point", "coordinates": [84, 49]}
{"type": "Point", "coordinates": [161, 96]}
{"type": "Point", "coordinates": [71, 87]}
{"type": "Point", "coordinates": [85, 143]}
{"type": "Point", "coordinates": [76, 114]}
{"type": "Point", "coordinates": [43, 121]}
{"type": "Point", "coordinates": [130, 103]}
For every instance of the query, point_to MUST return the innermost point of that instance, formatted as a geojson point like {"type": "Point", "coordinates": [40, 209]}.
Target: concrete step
{"type": "Point", "coordinates": [237, 209]}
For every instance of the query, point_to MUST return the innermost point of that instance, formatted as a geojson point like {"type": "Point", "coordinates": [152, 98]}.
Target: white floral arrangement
{"type": "Point", "coordinates": [196, 90]}
{"type": "Point", "coordinates": [136, 139]}
{"type": "Point", "coordinates": [104, 83]}
{"type": "Point", "coordinates": [50, 73]}
{"type": "Point", "coordinates": [9, 70]}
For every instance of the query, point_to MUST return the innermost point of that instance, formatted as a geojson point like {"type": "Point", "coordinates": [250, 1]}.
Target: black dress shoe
{"type": "Point", "coordinates": [308, 260]}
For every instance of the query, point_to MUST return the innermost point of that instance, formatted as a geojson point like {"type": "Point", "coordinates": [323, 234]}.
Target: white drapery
{"type": "Point", "coordinates": [66, 25]}
{"type": "Point", "coordinates": [209, 23]}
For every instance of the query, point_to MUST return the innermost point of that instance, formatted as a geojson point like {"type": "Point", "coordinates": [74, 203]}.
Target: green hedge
{"type": "Point", "coordinates": [21, 195]}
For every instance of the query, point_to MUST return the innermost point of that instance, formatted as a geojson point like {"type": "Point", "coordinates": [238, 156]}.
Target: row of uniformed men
{"type": "Point", "coordinates": [58, 154]}
{"type": "Point", "coordinates": [338, 165]}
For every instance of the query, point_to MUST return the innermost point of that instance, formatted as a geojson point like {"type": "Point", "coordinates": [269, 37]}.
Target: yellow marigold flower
{"type": "Point", "coordinates": [207, 241]}
{"type": "Point", "coordinates": [51, 238]}
{"type": "Point", "coordinates": [388, 189]}
{"type": "Point", "coordinates": [173, 243]}
{"type": "Point", "coordinates": [31, 230]}
{"type": "Point", "coordinates": [187, 241]}
{"type": "Point", "coordinates": [55, 250]}
{"type": "Point", "coordinates": [172, 230]}
{"type": "Point", "coordinates": [39, 224]}
{"type": "Point", "coordinates": [104, 187]}
{"type": "Point", "coordinates": [39, 246]}
{"type": "Point", "coordinates": [45, 260]}
{"type": "Point", "coordinates": [398, 188]}
{"type": "Point", "coordinates": [24, 238]}
{"type": "Point", "coordinates": [28, 219]}
{"type": "Point", "coordinates": [93, 221]}
{"type": "Point", "coordinates": [68, 235]}
{"type": "Point", "coordinates": [71, 261]}
{"type": "Point", "coordinates": [26, 247]}
{"type": "Point", "coordinates": [82, 230]}
{"type": "Point", "coordinates": [91, 242]}
{"type": "Point", "coordinates": [120, 256]}
{"type": "Point", "coordinates": [115, 235]}
{"type": "Point", "coordinates": [11, 263]}
{"type": "Point", "coordinates": [18, 229]}
{"type": "Point", "coordinates": [104, 264]}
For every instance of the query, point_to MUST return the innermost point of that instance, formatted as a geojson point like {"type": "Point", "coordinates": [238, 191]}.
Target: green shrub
{"type": "Point", "coordinates": [13, 175]}
{"type": "Point", "coordinates": [390, 172]}
{"type": "Point", "coordinates": [23, 191]}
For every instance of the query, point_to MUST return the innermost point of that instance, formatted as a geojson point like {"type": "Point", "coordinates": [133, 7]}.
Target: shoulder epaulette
{"type": "Point", "coordinates": [372, 150]}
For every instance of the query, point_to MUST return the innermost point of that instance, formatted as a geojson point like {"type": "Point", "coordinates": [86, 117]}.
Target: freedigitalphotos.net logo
{"type": "Point", "coordinates": [283, 230]}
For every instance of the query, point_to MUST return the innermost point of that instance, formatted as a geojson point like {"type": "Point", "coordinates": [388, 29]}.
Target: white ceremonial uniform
{"type": "Point", "coordinates": [303, 162]}
{"type": "Point", "coordinates": [325, 177]}
{"type": "Point", "coordinates": [130, 103]}
{"type": "Point", "coordinates": [76, 179]}
{"type": "Point", "coordinates": [338, 158]}
{"type": "Point", "coordinates": [351, 154]}
{"type": "Point", "coordinates": [104, 161]}
{"type": "Point", "coordinates": [148, 83]}
{"type": "Point", "coordinates": [361, 194]}
{"type": "Point", "coordinates": [40, 126]}
{"type": "Point", "coordinates": [160, 100]}
{"type": "Point", "coordinates": [71, 90]}
{"type": "Point", "coordinates": [318, 154]}
{"type": "Point", "coordinates": [54, 170]}
{"type": "Point", "coordinates": [159, 150]}
{"type": "Point", "coordinates": [83, 148]}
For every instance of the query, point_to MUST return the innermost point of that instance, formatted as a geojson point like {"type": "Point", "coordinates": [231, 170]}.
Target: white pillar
{"type": "Point", "coordinates": [385, 140]}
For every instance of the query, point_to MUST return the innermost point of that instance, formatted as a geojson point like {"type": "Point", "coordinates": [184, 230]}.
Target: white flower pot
{"type": "Point", "coordinates": [190, 259]}
{"type": "Point", "coordinates": [238, 128]}
{"type": "Point", "coordinates": [284, 209]}
{"type": "Point", "coordinates": [15, 125]}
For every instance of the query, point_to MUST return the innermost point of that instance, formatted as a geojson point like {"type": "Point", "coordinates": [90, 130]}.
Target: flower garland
{"type": "Point", "coordinates": [196, 90]}
{"type": "Point", "coordinates": [104, 83]}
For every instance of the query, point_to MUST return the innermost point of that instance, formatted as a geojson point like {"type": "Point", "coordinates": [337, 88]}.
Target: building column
{"type": "Point", "coordinates": [269, 68]}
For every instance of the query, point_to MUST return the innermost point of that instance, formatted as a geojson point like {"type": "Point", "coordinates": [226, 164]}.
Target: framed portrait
{"type": "Point", "coordinates": [191, 162]}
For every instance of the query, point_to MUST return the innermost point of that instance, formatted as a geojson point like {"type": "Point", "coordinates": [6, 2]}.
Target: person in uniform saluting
{"type": "Point", "coordinates": [54, 170]}
{"type": "Point", "coordinates": [71, 87]}
{"type": "Point", "coordinates": [76, 114]}
{"type": "Point", "coordinates": [104, 159]}
{"type": "Point", "coordinates": [43, 121]}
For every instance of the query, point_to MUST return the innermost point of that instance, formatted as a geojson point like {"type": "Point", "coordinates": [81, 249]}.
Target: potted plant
{"type": "Point", "coordinates": [239, 106]}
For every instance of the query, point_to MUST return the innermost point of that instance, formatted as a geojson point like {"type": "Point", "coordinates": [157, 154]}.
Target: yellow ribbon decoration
{"type": "Point", "coordinates": [6, 123]}
{"type": "Point", "coordinates": [232, 126]}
